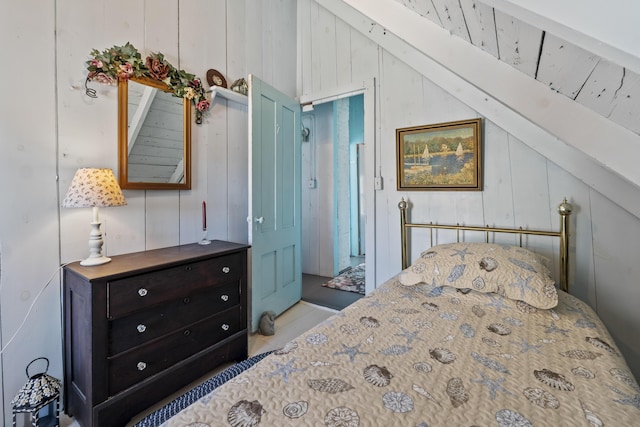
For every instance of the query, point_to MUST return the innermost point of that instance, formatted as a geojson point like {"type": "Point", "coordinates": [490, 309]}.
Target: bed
{"type": "Point", "coordinates": [469, 334]}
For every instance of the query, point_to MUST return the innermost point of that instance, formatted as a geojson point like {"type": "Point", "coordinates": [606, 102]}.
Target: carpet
{"type": "Point", "coordinates": [314, 293]}
{"type": "Point", "coordinates": [350, 280]}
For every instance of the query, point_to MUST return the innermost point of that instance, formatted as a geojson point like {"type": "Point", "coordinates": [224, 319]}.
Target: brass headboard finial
{"type": "Point", "coordinates": [564, 209]}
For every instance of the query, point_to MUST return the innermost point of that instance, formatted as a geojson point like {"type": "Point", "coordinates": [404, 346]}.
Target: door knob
{"type": "Point", "coordinates": [259, 219]}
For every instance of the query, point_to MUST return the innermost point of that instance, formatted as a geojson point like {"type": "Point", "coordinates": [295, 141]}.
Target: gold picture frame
{"type": "Point", "coordinates": [443, 156]}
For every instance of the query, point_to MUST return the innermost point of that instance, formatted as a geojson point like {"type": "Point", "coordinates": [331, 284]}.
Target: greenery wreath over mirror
{"type": "Point", "coordinates": [124, 62]}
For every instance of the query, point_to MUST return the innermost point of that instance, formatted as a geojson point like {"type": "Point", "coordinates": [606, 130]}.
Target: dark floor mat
{"type": "Point", "coordinates": [314, 293]}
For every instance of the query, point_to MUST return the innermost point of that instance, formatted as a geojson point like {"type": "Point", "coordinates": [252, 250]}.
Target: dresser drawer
{"type": "Point", "coordinates": [131, 367]}
{"type": "Point", "coordinates": [145, 290]}
{"type": "Point", "coordinates": [143, 326]}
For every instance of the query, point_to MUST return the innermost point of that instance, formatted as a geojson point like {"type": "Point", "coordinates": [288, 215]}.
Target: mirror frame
{"type": "Point", "coordinates": [123, 143]}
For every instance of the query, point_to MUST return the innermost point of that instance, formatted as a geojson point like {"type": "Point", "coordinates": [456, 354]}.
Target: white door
{"type": "Point", "coordinates": [274, 200]}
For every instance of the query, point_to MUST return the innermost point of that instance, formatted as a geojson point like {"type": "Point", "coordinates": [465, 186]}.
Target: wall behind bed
{"type": "Point", "coordinates": [521, 187]}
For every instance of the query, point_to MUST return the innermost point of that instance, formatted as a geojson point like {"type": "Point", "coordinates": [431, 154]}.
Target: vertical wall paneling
{"type": "Point", "coordinates": [162, 208]}
{"type": "Point", "coordinates": [317, 34]}
{"type": "Point", "coordinates": [363, 57]}
{"type": "Point", "coordinates": [341, 185]}
{"type": "Point", "coordinates": [530, 186]}
{"type": "Point", "coordinates": [343, 53]}
{"type": "Point", "coordinates": [326, 183]}
{"type": "Point", "coordinates": [253, 48]}
{"type": "Point", "coordinates": [237, 118]}
{"type": "Point", "coordinates": [326, 48]}
{"type": "Point", "coordinates": [269, 65]}
{"type": "Point", "coordinates": [29, 205]}
{"type": "Point", "coordinates": [616, 241]}
{"type": "Point", "coordinates": [210, 142]}
{"type": "Point", "coordinates": [581, 275]}
{"type": "Point", "coordinates": [304, 50]}
{"type": "Point", "coordinates": [87, 127]}
{"type": "Point", "coordinates": [285, 43]}
{"type": "Point", "coordinates": [497, 195]}
{"type": "Point", "coordinates": [309, 197]}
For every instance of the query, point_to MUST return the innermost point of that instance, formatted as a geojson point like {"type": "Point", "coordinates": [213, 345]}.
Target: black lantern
{"type": "Point", "coordinates": [41, 392]}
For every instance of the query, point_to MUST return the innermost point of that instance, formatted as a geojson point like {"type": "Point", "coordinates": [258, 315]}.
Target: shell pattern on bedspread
{"type": "Point", "coordinates": [427, 355]}
{"type": "Point", "coordinates": [377, 375]}
{"type": "Point", "coordinates": [245, 414]}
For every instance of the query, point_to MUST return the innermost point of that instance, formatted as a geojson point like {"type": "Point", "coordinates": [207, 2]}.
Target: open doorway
{"type": "Point", "coordinates": [348, 168]}
{"type": "Point", "coordinates": [333, 193]}
{"type": "Point", "coordinates": [333, 196]}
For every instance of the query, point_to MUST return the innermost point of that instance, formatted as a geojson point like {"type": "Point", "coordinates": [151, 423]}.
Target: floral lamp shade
{"type": "Point", "coordinates": [39, 391]}
{"type": "Point", "coordinates": [94, 187]}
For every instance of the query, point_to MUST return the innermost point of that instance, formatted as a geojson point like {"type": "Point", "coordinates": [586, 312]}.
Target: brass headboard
{"type": "Point", "coordinates": [564, 209]}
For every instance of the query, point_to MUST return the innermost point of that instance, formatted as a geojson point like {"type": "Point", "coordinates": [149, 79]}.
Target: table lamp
{"type": "Point", "coordinates": [95, 188]}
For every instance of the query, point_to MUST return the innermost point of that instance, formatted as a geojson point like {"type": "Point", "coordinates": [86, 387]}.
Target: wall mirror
{"type": "Point", "coordinates": [154, 136]}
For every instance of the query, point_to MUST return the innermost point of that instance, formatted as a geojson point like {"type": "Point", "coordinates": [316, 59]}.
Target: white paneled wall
{"type": "Point", "coordinates": [318, 203]}
{"type": "Point", "coordinates": [49, 128]}
{"type": "Point", "coordinates": [521, 187]}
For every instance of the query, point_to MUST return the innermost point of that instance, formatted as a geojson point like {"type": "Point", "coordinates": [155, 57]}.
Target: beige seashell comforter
{"type": "Point", "coordinates": [425, 356]}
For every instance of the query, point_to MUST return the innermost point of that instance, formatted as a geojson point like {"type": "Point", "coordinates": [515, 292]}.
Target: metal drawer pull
{"type": "Point", "coordinates": [188, 268]}
{"type": "Point", "coordinates": [141, 366]}
{"type": "Point", "coordinates": [186, 300]}
{"type": "Point", "coordinates": [141, 328]}
{"type": "Point", "coordinates": [225, 270]}
{"type": "Point", "coordinates": [225, 327]}
{"type": "Point", "coordinates": [224, 297]}
{"type": "Point", "coordinates": [186, 333]}
{"type": "Point", "coordinates": [142, 292]}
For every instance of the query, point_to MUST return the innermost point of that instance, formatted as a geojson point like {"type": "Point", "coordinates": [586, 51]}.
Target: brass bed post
{"type": "Point", "coordinates": [564, 209]}
{"type": "Point", "coordinates": [403, 231]}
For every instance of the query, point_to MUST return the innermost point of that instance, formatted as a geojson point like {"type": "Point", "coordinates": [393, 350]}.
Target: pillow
{"type": "Point", "coordinates": [511, 271]}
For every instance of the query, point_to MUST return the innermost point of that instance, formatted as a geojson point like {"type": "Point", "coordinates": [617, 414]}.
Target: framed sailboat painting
{"type": "Point", "coordinates": [443, 156]}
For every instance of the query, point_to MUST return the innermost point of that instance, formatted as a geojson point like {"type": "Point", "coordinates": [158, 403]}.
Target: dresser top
{"type": "Point", "coordinates": [141, 261]}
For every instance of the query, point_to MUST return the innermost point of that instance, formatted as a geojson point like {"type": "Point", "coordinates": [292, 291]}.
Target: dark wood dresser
{"type": "Point", "coordinates": [146, 324]}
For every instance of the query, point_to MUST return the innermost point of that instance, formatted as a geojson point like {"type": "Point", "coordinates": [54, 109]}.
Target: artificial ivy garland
{"type": "Point", "coordinates": [124, 62]}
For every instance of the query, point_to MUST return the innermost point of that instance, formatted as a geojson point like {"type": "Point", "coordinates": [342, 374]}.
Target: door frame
{"type": "Point", "coordinates": [367, 89]}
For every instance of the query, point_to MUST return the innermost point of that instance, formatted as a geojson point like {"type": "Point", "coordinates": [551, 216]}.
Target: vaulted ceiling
{"type": "Point", "coordinates": [599, 84]}
{"type": "Point", "coordinates": [568, 96]}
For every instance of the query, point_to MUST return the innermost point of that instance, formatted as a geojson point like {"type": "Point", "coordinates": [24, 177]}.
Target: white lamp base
{"type": "Point", "coordinates": [95, 244]}
{"type": "Point", "coordinates": [95, 261]}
